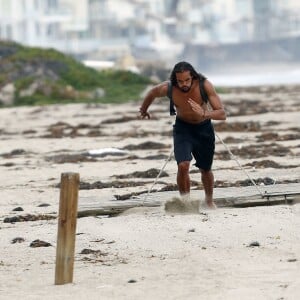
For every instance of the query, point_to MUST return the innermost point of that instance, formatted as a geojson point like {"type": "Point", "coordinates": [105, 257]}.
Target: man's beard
{"type": "Point", "coordinates": [185, 89]}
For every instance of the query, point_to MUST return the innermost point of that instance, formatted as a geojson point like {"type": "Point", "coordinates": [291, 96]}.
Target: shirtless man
{"type": "Point", "coordinates": [193, 133]}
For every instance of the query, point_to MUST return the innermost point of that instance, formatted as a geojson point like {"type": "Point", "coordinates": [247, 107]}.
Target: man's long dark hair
{"type": "Point", "coordinates": [182, 67]}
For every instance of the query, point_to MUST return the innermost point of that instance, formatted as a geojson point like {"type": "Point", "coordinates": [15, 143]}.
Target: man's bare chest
{"type": "Point", "coordinates": [180, 98]}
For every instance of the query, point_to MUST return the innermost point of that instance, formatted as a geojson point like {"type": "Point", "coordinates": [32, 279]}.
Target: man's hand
{"type": "Point", "coordinates": [196, 107]}
{"type": "Point", "coordinates": [144, 114]}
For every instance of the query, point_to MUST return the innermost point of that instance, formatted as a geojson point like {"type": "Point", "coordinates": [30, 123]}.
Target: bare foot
{"type": "Point", "coordinates": [209, 203]}
{"type": "Point", "coordinates": [185, 197]}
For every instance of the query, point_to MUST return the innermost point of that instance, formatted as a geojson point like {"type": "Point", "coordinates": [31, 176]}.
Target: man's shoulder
{"type": "Point", "coordinates": [165, 84]}
{"type": "Point", "coordinates": [160, 89]}
{"type": "Point", "coordinates": [208, 84]}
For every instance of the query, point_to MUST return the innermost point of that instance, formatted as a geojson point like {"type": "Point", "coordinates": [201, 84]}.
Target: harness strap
{"type": "Point", "coordinates": [169, 95]}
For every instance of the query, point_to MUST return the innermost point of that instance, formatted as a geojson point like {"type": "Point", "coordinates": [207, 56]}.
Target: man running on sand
{"type": "Point", "coordinates": [193, 133]}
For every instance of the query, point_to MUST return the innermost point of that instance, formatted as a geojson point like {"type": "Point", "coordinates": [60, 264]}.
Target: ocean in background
{"type": "Point", "coordinates": [256, 76]}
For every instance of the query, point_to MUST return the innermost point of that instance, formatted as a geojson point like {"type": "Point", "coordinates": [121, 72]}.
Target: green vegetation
{"type": "Point", "coordinates": [47, 76]}
{"type": "Point", "coordinates": [121, 85]}
{"type": "Point", "coordinates": [222, 90]}
{"type": "Point", "coordinates": [61, 79]}
{"type": "Point", "coordinates": [24, 82]}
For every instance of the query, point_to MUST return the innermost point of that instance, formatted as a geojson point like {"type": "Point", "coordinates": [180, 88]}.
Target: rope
{"type": "Point", "coordinates": [231, 156]}
{"type": "Point", "coordinates": [161, 170]}
{"type": "Point", "coordinates": [241, 167]}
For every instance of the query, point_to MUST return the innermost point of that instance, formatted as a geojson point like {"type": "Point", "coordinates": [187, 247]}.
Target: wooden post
{"type": "Point", "coordinates": [65, 248]}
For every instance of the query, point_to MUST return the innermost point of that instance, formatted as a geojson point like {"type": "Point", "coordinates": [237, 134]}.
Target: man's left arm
{"type": "Point", "coordinates": [218, 111]}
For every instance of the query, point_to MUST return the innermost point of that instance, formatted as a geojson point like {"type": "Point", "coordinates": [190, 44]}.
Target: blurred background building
{"type": "Point", "coordinates": [130, 32]}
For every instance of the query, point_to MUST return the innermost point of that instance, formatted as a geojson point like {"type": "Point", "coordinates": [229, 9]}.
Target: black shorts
{"type": "Point", "coordinates": [194, 140]}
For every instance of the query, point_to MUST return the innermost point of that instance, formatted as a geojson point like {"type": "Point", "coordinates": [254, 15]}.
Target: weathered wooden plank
{"type": "Point", "coordinates": [257, 200]}
{"type": "Point", "coordinates": [111, 210]}
{"type": "Point", "coordinates": [224, 197]}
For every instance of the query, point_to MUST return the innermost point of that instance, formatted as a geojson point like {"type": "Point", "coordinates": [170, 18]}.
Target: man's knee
{"type": "Point", "coordinates": [206, 172]}
{"type": "Point", "coordinates": [184, 166]}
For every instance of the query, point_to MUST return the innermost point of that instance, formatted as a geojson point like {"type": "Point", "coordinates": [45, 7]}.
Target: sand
{"type": "Point", "coordinates": [146, 252]}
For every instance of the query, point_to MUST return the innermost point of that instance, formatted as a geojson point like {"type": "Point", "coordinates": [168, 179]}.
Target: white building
{"type": "Point", "coordinates": [32, 22]}
{"type": "Point", "coordinates": [113, 28]}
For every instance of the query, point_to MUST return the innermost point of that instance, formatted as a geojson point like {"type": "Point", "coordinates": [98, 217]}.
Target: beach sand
{"type": "Point", "coordinates": [145, 252]}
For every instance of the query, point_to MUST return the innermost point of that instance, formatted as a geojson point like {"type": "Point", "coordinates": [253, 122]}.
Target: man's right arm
{"type": "Point", "coordinates": [157, 91]}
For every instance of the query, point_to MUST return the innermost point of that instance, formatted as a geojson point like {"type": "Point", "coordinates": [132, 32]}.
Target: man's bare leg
{"type": "Point", "coordinates": [207, 178]}
{"type": "Point", "coordinates": [183, 179]}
